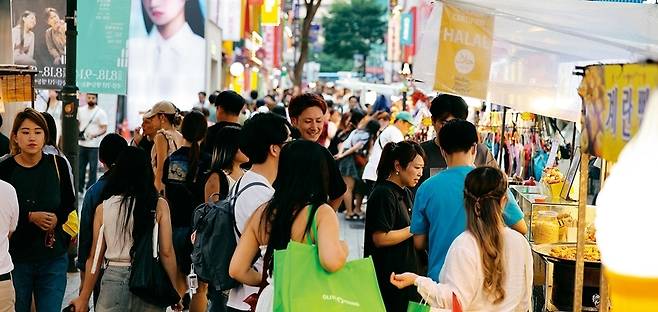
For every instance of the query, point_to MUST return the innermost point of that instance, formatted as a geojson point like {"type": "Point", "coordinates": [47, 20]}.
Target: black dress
{"type": "Point", "coordinates": [389, 209]}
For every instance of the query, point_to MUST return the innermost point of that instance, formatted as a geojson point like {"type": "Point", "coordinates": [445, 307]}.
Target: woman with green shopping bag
{"type": "Point", "coordinates": [488, 267]}
{"type": "Point", "coordinates": [299, 201]}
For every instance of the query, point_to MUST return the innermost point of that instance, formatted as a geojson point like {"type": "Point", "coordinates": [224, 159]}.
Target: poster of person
{"type": "Point", "coordinates": [39, 39]}
{"type": "Point", "coordinates": [167, 54]}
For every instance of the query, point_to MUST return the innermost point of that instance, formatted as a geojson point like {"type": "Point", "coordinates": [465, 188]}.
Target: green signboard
{"type": "Point", "coordinates": [102, 61]}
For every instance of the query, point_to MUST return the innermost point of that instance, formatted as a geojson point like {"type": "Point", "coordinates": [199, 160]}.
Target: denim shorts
{"type": "Point", "coordinates": [115, 293]}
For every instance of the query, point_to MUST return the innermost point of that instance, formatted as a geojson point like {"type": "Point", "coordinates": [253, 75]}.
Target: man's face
{"type": "Point", "coordinates": [438, 123]}
{"type": "Point", "coordinates": [404, 127]}
{"type": "Point", "coordinates": [202, 98]}
{"type": "Point", "coordinates": [147, 127]}
{"type": "Point", "coordinates": [91, 99]}
{"type": "Point", "coordinates": [310, 123]}
{"type": "Point", "coordinates": [270, 102]}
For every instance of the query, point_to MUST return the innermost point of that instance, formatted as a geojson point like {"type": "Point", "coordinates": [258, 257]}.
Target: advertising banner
{"type": "Point", "coordinates": [102, 60]}
{"type": "Point", "coordinates": [39, 39]}
{"type": "Point", "coordinates": [464, 57]}
{"type": "Point", "coordinates": [407, 29]}
{"type": "Point", "coordinates": [615, 99]}
{"type": "Point", "coordinates": [230, 19]}
{"type": "Point", "coordinates": [269, 14]}
{"type": "Point", "coordinates": [167, 60]}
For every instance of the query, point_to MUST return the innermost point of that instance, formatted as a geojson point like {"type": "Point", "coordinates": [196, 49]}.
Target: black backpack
{"type": "Point", "coordinates": [215, 226]}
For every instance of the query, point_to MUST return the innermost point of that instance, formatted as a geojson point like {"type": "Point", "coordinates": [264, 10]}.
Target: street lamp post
{"type": "Point", "coordinates": [70, 128]}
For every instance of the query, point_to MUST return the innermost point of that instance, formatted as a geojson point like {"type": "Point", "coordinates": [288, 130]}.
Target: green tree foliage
{"type": "Point", "coordinates": [352, 27]}
{"type": "Point", "coordinates": [330, 63]}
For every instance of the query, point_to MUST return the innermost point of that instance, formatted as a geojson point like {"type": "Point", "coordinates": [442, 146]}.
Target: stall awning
{"type": "Point", "coordinates": [537, 44]}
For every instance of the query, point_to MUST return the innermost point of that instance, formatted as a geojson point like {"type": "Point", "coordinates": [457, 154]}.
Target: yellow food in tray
{"type": "Point", "coordinates": [569, 252]}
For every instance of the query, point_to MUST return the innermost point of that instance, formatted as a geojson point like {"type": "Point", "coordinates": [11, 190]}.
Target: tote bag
{"type": "Point", "coordinates": [302, 284]}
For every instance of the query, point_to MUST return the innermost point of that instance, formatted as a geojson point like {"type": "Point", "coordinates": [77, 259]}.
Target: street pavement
{"type": "Point", "coordinates": [350, 231]}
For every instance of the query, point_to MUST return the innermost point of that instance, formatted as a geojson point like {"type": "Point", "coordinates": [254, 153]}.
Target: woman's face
{"type": "Point", "coordinates": [29, 22]}
{"type": "Point", "coordinates": [53, 19]}
{"type": "Point", "coordinates": [161, 12]}
{"type": "Point", "coordinates": [30, 137]}
{"type": "Point", "coordinates": [240, 157]}
{"type": "Point", "coordinates": [410, 175]}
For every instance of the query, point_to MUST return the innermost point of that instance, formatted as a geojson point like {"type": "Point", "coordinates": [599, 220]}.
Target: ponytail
{"type": "Point", "coordinates": [403, 152]}
{"type": "Point", "coordinates": [485, 187]}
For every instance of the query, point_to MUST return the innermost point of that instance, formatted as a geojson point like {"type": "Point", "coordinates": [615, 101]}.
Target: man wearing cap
{"type": "Point", "coordinates": [393, 133]}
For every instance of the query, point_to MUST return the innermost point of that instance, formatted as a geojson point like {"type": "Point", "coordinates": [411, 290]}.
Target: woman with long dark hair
{"type": "Point", "coordinates": [128, 213]}
{"type": "Point", "coordinates": [46, 197]}
{"type": "Point", "coordinates": [488, 267]}
{"type": "Point", "coordinates": [184, 177]}
{"type": "Point", "coordinates": [23, 39]}
{"type": "Point", "coordinates": [168, 59]}
{"type": "Point", "coordinates": [227, 158]}
{"type": "Point", "coordinates": [300, 199]}
{"type": "Point", "coordinates": [388, 238]}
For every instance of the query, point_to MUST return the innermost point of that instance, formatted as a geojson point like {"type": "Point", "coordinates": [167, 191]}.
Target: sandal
{"type": "Point", "coordinates": [349, 217]}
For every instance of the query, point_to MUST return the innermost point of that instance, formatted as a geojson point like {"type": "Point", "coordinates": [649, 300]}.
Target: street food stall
{"type": "Point", "coordinates": [523, 55]}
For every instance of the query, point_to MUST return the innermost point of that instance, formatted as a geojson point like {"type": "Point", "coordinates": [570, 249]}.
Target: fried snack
{"type": "Point", "coordinates": [569, 253]}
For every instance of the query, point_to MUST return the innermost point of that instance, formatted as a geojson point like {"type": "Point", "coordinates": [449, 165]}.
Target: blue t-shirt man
{"type": "Point", "coordinates": [439, 213]}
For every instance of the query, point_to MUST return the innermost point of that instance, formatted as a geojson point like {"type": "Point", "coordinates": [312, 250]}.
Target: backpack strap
{"type": "Point", "coordinates": [234, 199]}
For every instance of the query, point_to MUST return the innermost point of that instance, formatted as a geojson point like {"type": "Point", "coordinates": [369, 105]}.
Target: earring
{"type": "Point", "coordinates": [397, 173]}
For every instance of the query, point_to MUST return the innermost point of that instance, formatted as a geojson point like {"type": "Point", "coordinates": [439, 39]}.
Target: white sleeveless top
{"type": "Point", "coordinates": [118, 242]}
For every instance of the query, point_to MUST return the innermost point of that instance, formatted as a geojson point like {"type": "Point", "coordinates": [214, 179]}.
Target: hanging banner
{"type": "Point", "coordinates": [464, 57]}
{"type": "Point", "coordinates": [393, 49]}
{"type": "Point", "coordinates": [615, 99]}
{"type": "Point", "coordinates": [230, 19]}
{"type": "Point", "coordinates": [165, 64]}
{"type": "Point", "coordinates": [407, 29]}
{"type": "Point", "coordinates": [103, 26]}
{"type": "Point", "coordinates": [39, 39]}
{"type": "Point", "coordinates": [270, 13]}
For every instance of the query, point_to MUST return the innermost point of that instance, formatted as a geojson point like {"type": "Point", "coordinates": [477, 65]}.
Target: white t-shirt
{"type": "Point", "coordinates": [462, 274]}
{"type": "Point", "coordinates": [8, 223]}
{"type": "Point", "coordinates": [245, 206]}
{"type": "Point", "coordinates": [390, 134]}
{"type": "Point", "coordinates": [85, 116]}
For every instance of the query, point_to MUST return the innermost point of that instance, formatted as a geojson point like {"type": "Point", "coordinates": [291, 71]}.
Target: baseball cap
{"type": "Point", "coordinates": [405, 116]}
{"type": "Point", "coordinates": [162, 107]}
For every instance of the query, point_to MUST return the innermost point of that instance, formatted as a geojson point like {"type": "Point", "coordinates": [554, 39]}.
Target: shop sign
{"type": "Point", "coordinates": [269, 14]}
{"type": "Point", "coordinates": [103, 25]}
{"type": "Point", "coordinates": [464, 57]}
{"type": "Point", "coordinates": [615, 99]}
{"type": "Point", "coordinates": [407, 29]}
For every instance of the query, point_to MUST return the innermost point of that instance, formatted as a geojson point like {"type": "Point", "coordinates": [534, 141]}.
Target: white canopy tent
{"type": "Point", "coordinates": [537, 45]}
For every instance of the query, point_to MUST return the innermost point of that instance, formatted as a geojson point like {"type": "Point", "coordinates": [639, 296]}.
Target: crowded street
{"type": "Point", "coordinates": [328, 155]}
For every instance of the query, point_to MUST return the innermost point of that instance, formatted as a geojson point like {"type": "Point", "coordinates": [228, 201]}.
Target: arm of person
{"type": "Point", "coordinates": [101, 119]}
{"type": "Point", "coordinates": [332, 251]}
{"type": "Point", "coordinates": [248, 247]}
{"type": "Point", "coordinates": [391, 238]}
{"type": "Point", "coordinates": [85, 236]}
{"type": "Point", "coordinates": [166, 245]}
{"type": "Point", "coordinates": [513, 215]}
{"type": "Point", "coordinates": [419, 221]}
{"type": "Point", "coordinates": [212, 185]}
{"type": "Point", "coordinates": [68, 198]}
{"type": "Point", "coordinates": [160, 156]}
{"type": "Point", "coordinates": [350, 151]}
{"type": "Point", "coordinates": [81, 303]}
{"type": "Point", "coordinates": [13, 210]}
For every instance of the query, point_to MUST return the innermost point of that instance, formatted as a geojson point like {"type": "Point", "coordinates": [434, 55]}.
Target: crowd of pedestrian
{"type": "Point", "coordinates": [286, 169]}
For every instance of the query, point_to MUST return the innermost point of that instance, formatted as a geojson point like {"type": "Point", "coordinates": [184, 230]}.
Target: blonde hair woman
{"type": "Point", "coordinates": [488, 267]}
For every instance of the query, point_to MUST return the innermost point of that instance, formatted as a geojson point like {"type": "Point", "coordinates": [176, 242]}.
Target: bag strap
{"type": "Point", "coordinates": [90, 121]}
{"type": "Point", "coordinates": [379, 137]}
{"type": "Point", "coordinates": [234, 199]}
{"type": "Point", "coordinates": [56, 167]}
{"type": "Point", "coordinates": [314, 225]}
{"type": "Point", "coordinates": [97, 251]}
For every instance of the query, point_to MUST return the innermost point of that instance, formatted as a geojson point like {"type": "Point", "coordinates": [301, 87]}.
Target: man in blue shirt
{"type": "Point", "coordinates": [439, 215]}
{"type": "Point", "coordinates": [110, 147]}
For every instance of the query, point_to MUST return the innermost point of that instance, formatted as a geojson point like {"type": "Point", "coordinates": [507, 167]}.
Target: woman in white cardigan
{"type": "Point", "coordinates": [488, 267]}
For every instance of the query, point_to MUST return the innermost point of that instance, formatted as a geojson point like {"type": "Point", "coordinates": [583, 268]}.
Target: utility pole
{"type": "Point", "coordinates": [70, 128]}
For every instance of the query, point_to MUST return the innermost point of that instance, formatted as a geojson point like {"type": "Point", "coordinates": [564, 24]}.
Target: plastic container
{"type": "Point", "coordinates": [546, 229]}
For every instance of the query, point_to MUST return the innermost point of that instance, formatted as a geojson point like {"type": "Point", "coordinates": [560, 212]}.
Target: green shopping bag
{"type": "Point", "coordinates": [301, 284]}
{"type": "Point", "coordinates": [417, 307]}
